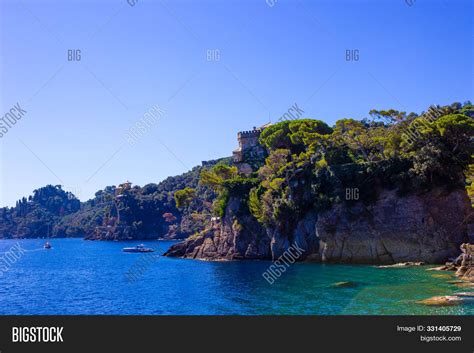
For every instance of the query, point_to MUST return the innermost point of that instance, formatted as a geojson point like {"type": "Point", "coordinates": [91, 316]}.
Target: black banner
{"type": "Point", "coordinates": [291, 333]}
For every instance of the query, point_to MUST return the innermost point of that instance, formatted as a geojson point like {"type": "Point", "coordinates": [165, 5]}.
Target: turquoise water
{"type": "Point", "coordinates": [84, 277]}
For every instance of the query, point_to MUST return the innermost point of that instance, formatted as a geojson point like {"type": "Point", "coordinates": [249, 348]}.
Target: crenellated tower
{"type": "Point", "coordinates": [250, 152]}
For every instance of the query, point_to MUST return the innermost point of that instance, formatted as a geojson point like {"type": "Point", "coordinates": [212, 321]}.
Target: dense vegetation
{"type": "Point", "coordinates": [311, 165]}
{"type": "Point", "coordinates": [139, 212]}
{"type": "Point", "coordinates": [37, 216]}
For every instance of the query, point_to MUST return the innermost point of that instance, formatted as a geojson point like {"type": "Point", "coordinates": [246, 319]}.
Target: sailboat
{"type": "Point", "coordinates": [47, 245]}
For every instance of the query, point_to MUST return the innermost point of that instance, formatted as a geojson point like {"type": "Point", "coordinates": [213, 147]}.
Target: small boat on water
{"type": "Point", "coordinates": [47, 245]}
{"type": "Point", "coordinates": [138, 248]}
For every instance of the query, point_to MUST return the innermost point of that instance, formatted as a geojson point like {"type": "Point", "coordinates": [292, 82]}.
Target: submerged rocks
{"type": "Point", "coordinates": [446, 300]}
{"type": "Point", "coordinates": [442, 275]}
{"type": "Point", "coordinates": [462, 284]}
{"type": "Point", "coordinates": [348, 284]}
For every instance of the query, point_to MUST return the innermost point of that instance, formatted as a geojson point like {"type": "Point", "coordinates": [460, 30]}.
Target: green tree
{"type": "Point", "coordinates": [353, 134]}
{"type": "Point", "coordinates": [276, 136]}
{"type": "Point", "coordinates": [457, 130]}
{"type": "Point", "coordinates": [216, 176]}
{"type": "Point", "coordinates": [274, 164]}
{"type": "Point", "coordinates": [184, 197]}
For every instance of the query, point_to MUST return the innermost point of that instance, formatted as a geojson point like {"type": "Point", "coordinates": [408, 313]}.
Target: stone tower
{"type": "Point", "coordinates": [250, 152]}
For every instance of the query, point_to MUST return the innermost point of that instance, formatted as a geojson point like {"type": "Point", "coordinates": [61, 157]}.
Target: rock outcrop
{"type": "Point", "coordinates": [402, 265]}
{"type": "Point", "coordinates": [466, 260]}
{"type": "Point", "coordinates": [236, 236]}
{"type": "Point", "coordinates": [448, 300]}
{"type": "Point", "coordinates": [429, 227]}
{"type": "Point", "coordinates": [464, 267]}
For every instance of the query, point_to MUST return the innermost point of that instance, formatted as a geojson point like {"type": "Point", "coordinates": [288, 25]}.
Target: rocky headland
{"type": "Point", "coordinates": [427, 228]}
{"type": "Point", "coordinates": [359, 192]}
{"type": "Point", "coordinates": [393, 188]}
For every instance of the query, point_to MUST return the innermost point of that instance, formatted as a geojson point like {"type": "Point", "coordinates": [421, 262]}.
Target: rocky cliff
{"type": "Point", "coordinates": [236, 236]}
{"type": "Point", "coordinates": [425, 227]}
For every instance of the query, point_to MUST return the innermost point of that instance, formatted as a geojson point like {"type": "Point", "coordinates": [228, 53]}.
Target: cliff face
{"type": "Point", "coordinates": [236, 236]}
{"type": "Point", "coordinates": [428, 227]}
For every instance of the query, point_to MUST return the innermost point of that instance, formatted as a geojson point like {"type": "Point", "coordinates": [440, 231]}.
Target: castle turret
{"type": "Point", "coordinates": [250, 150]}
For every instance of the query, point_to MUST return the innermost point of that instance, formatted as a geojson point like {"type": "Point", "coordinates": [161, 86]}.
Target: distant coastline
{"type": "Point", "coordinates": [395, 187]}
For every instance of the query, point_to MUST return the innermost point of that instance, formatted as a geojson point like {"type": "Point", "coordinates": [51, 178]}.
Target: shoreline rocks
{"type": "Point", "coordinates": [464, 267]}
{"type": "Point", "coordinates": [402, 265]}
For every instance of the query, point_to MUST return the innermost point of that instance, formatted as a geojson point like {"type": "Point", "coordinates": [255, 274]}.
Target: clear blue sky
{"type": "Point", "coordinates": [155, 53]}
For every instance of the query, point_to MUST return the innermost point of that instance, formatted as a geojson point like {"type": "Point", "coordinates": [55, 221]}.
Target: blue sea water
{"type": "Point", "coordinates": [79, 277]}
